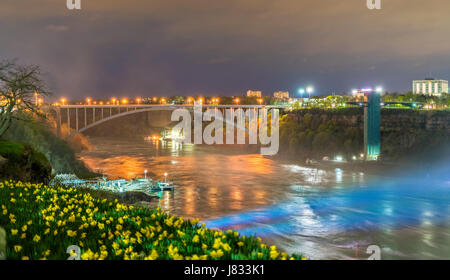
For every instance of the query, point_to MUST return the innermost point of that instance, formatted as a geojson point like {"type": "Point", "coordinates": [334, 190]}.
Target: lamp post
{"type": "Point", "coordinates": [165, 177]}
{"type": "Point", "coordinates": [145, 173]}
{"type": "Point", "coordinates": [309, 90]}
{"type": "Point", "coordinates": [301, 91]}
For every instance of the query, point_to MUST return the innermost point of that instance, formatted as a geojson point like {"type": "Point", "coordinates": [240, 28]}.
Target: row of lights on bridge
{"type": "Point", "coordinates": [163, 100]}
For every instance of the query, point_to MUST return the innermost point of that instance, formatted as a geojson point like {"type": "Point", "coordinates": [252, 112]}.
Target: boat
{"type": "Point", "coordinates": [163, 186]}
{"type": "Point", "coordinates": [169, 135]}
{"type": "Point", "coordinates": [152, 138]}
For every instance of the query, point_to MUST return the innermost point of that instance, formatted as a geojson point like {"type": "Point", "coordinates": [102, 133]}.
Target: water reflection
{"type": "Point", "coordinates": [407, 217]}
{"type": "Point", "coordinates": [322, 213]}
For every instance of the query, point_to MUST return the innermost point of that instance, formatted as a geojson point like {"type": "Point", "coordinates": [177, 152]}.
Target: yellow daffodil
{"type": "Point", "coordinates": [17, 248]}
{"type": "Point", "coordinates": [36, 238]}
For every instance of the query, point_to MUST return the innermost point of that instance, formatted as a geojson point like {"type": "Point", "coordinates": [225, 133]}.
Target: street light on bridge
{"type": "Point", "coordinates": [114, 101]}
{"type": "Point", "coordinates": [63, 101]}
{"type": "Point", "coordinates": [88, 100]}
{"type": "Point", "coordinates": [237, 100]}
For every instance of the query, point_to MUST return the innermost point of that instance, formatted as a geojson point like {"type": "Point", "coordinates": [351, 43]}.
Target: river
{"type": "Point", "coordinates": [322, 213]}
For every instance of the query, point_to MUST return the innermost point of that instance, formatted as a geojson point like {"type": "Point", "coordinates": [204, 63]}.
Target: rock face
{"type": "Point", "coordinates": [21, 162]}
{"type": "Point", "coordinates": [2, 161]}
{"type": "Point", "coordinates": [404, 133]}
{"type": "Point", "coordinates": [391, 119]}
{"type": "Point", "coordinates": [134, 197]}
{"type": "Point", "coordinates": [2, 244]}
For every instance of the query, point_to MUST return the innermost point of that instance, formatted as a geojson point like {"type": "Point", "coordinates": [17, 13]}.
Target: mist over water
{"type": "Point", "coordinates": [323, 213]}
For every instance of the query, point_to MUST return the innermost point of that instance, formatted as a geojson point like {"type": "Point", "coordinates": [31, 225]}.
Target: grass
{"type": "Point", "coordinates": [41, 222]}
{"type": "Point", "coordinates": [11, 149]}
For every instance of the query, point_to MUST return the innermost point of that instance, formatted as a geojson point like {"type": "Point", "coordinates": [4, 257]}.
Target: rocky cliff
{"type": "Point", "coordinates": [21, 162]}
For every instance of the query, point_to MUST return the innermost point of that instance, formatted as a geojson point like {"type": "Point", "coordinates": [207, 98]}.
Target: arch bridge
{"type": "Point", "coordinates": [80, 118]}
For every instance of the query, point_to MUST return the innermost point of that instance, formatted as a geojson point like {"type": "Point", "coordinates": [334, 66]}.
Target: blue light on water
{"type": "Point", "coordinates": [419, 199]}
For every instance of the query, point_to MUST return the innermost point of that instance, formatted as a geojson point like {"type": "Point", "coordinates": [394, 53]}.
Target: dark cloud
{"type": "Point", "coordinates": [146, 47]}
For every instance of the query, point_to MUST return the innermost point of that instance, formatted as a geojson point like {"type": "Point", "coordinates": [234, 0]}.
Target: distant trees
{"type": "Point", "coordinates": [317, 134]}
{"type": "Point", "coordinates": [443, 99]}
{"type": "Point", "coordinates": [18, 85]}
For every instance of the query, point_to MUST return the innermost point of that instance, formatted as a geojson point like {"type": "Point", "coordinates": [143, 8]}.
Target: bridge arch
{"type": "Point", "coordinates": [157, 108]}
{"type": "Point", "coordinates": [123, 114]}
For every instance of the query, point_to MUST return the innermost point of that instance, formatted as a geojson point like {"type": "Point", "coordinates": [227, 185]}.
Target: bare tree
{"type": "Point", "coordinates": [18, 87]}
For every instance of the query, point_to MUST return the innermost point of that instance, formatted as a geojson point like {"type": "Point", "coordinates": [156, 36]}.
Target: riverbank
{"type": "Point", "coordinates": [135, 198]}
{"type": "Point", "coordinates": [106, 229]}
{"type": "Point", "coordinates": [38, 134]}
{"type": "Point", "coordinates": [318, 133]}
{"type": "Point", "coordinates": [20, 161]}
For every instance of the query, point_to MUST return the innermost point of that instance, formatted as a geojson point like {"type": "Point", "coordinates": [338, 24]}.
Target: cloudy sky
{"type": "Point", "coordinates": [185, 47]}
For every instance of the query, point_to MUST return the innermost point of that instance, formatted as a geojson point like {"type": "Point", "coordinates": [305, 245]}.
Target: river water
{"type": "Point", "coordinates": [323, 213]}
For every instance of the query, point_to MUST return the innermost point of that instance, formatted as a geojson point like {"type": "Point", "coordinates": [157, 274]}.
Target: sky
{"type": "Point", "coordinates": [225, 47]}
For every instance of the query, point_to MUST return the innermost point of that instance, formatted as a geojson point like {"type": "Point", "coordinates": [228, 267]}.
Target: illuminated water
{"type": "Point", "coordinates": [326, 214]}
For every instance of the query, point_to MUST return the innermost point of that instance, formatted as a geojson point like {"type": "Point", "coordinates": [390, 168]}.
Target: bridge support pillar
{"type": "Point", "coordinates": [58, 122]}
{"type": "Point", "coordinates": [68, 120]}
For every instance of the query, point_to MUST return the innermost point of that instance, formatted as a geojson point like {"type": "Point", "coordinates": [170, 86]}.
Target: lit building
{"type": "Point", "coordinates": [358, 93]}
{"type": "Point", "coordinates": [430, 86]}
{"type": "Point", "coordinates": [254, 93]}
{"type": "Point", "coordinates": [282, 95]}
